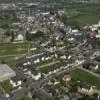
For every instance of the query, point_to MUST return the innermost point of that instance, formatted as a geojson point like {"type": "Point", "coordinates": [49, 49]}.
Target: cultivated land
{"type": "Point", "coordinates": [85, 77]}
{"type": "Point", "coordinates": [82, 14]}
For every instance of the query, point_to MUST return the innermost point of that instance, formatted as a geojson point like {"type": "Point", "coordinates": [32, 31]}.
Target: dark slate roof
{"type": "Point", "coordinates": [86, 86]}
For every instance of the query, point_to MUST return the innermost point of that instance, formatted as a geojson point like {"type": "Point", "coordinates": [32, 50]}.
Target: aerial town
{"type": "Point", "coordinates": [49, 49]}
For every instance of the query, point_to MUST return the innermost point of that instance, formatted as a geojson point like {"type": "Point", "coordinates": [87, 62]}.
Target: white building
{"type": "Point", "coordinates": [20, 37]}
{"type": "Point", "coordinates": [15, 83]}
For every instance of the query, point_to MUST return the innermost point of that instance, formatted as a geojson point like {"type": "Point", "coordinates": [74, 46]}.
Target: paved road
{"type": "Point", "coordinates": [18, 94]}
{"type": "Point", "coordinates": [3, 98]}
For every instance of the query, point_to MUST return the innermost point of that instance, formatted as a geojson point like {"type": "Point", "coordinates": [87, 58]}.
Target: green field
{"type": "Point", "coordinates": [82, 14]}
{"type": "Point", "coordinates": [12, 50]}
{"type": "Point", "coordinates": [85, 77]}
{"type": "Point", "coordinates": [4, 23]}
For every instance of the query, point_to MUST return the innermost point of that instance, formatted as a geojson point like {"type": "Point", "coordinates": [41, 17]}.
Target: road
{"type": "Point", "coordinates": [17, 95]}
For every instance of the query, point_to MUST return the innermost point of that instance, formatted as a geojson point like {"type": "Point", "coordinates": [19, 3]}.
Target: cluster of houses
{"type": "Point", "coordinates": [81, 90]}
{"type": "Point", "coordinates": [29, 70]}
{"type": "Point", "coordinates": [90, 66]}
{"type": "Point", "coordinates": [39, 20]}
{"type": "Point", "coordinates": [16, 82]}
{"type": "Point", "coordinates": [93, 30]}
{"type": "Point", "coordinates": [50, 56]}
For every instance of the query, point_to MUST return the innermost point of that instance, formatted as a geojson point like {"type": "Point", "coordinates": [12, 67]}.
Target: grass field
{"type": "Point", "coordinates": [12, 50]}
{"type": "Point", "coordinates": [85, 77]}
{"type": "Point", "coordinates": [85, 19]}
{"type": "Point", "coordinates": [4, 23]}
{"type": "Point", "coordinates": [44, 63]}
{"type": "Point", "coordinates": [82, 14]}
{"type": "Point", "coordinates": [46, 68]}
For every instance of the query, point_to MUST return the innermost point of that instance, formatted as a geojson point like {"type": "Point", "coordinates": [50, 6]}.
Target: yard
{"type": "Point", "coordinates": [85, 77]}
{"type": "Point", "coordinates": [48, 67]}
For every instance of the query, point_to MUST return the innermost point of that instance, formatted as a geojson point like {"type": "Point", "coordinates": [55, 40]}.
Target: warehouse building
{"type": "Point", "coordinates": [6, 72]}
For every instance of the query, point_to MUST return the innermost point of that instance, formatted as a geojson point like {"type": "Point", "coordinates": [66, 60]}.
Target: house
{"type": "Point", "coordinates": [16, 81]}
{"type": "Point", "coordinates": [29, 70]}
{"type": "Point", "coordinates": [98, 36]}
{"type": "Point", "coordinates": [96, 96]}
{"type": "Point", "coordinates": [95, 67]}
{"type": "Point", "coordinates": [71, 39]}
{"type": "Point", "coordinates": [94, 29]}
{"type": "Point", "coordinates": [37, 61]}
{"type": "Point", "coordinates": [54, 92]}
{"type": "Point", "coordinates": [69, 57]}
{"type": "Point", "coordinates": [71, 96]}
{"type": "Point", "coordinates": [32, 72]}
{"type": "Point", "coordinates": [27, 63]}
{"type": "Point", "coordinates": [86, 89]}
{"type": "Point", "coordinates": [33, 49]}
{"type": "Point", "coordinates": [36, 76]}
{"type": "Point", "coordinates": [67, 78]}
{"type": "Point", "coordinates": [61, 12]}
{"type": "Point", "coordinates": [63, 57]}
{"type": "Point", "coordinates": [20, 37]}
{"type": "Point", "coordinates": [78, 61]}
{"type": "Point", "coordinates": [92, 66]}
{"type": "Point", "coordinates": [75, 30]}
{"type": "Point", "coordinates": [43, 58]}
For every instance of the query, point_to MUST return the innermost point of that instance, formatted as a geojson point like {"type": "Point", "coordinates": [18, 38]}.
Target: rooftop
{"type": "Point", "coordinates": [6, 72]}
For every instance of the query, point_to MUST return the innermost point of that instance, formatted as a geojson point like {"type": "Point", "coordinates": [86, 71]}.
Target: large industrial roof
{"type": "Point", "coordinates": [6, 72]}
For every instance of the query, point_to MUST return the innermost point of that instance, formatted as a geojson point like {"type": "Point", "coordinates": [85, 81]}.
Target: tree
{"type": "Point", "coordinates": [3, 62]}
{"type": "Point", "coordinates": [12, 35]}
{"type": "Point", "coordinates": [86, 65]}
{"type": "Point", "coordinates": [8, 33]}
{"type": "Point", "coordinates": [29, 36]}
